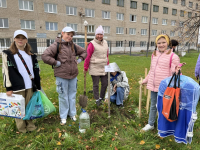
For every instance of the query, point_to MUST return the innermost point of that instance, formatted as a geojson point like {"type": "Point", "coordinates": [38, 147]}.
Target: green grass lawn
{"type": "Point", "coordinates": [122, 131]}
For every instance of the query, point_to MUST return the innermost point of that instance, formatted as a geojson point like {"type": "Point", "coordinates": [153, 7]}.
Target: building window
{"type": "Point", "coordinates": [133, 18]}
{"type": "Point", "coordinates": [174, 12]}
{"type": "Point", "coordinates": [27, 24]}
{"type": "Point", "coordinates": [52, 26]}
{"type": "Point", "coordinates": [183, 2]}
{"type": "Point", "coordinates": [50, 41]}
{"type": "Point", "coordinates": [25, 5]}
{"type": "Point", "coordinates": [165, 10]}
{"type": "Point", "coordinates": [5, 43]}
{"type": "Point", "coordinates": [73, 26]}
{"type": "Point", "coordinates": [191, 4]}
{"type": "Point", "coordinates": [119, 30]}
{"type": "Point", "coordinates": [197, 6]}
{"type": "Point", "coordinates": [145, 6]}
{"type": "Point", "coordinates": [71, 10]}
{"type": "Point", "coordinates": [181, 13]}
{"type": "Point", "coordinates": [120, 16]}
{"type": "Point", "coordinates": [134, 4]}
{"type": "Point", "coordinates": [131, 43]}
{"type": "Point", "coordinates": [144, 19]}
{"type": "Point", "coordinates": [50, 8]}
{"type": "Point", "coordinates": [132, 31]}
{"type": "Point", "coordinates": [155, 8]}
{"type": "Point", "coordinates": [142, 43]}
{"type": "Point", "coordinates": [119, 43]}
{"type": "Point", "coordinates": [120, 3]}
{"type": "Point", "coordinates": [173, 22]}
{"type": "Point", "coordinates": [195, 14]}
{"type": "Point", "coordinates": [175, 1]}
{"type": "Point", "coordinates": [106, 29]}
{"type": "Point", "coordinates": [189, 14]}
{"type": "Point", "coordinates": [166, 0]}
{"type": "Point", "coordinates": [163, 32]}
{"type": "Point", "coordinates": [106, 2]}
{"type": "Point", "coordinates": [143, 31]}
{"type": "Point", "coordinates": [172, 33]}
{"type": "Point", "coordinates": [3, 22]}
{"type": "Point", "coordinates": [90, 28]}
{"type": "Point", "coordinates": [154, 20]}
{"type": "Point", "coordinates": [164, 22]}
{"type": "Point", "coordinates": [3, 3]}
{"type": "Point", "coordinates": [154, 32]}
{"type": "Point", "coordinates": [105, 14]}
{"type": "Point", "coordinates": [152, 44]}
{"type": "Point", "coordinates": [180, 24]}
{"type": "Point", "coordinates": [179, 33]}
{"type": "Point", "coordinates": [89, 13]}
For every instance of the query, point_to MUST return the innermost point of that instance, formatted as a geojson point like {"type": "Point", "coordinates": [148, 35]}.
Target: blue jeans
{"type": "Point", "coordinates": [118, 97]}
{"type": "Point", "coordinates": [153, 109]}
{"type": "Point", "coordinates": [66, 89]}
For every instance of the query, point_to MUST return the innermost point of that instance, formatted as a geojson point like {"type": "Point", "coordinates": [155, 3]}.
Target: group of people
{"type": "Point", "coordinates": [62, 54]}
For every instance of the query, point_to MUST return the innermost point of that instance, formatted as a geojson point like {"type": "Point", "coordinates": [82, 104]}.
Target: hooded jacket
{"type": "Point", "coordinates": [122, 81]}
{"type": "Point", "coordinates": [67, 57]}
{"type": "Point", "coordinates": [160, 69]}
{"type": "Point", "coordinates": [197, 68]}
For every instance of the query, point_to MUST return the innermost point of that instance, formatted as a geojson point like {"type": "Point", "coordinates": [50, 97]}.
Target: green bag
{"type": "Point", "coordinates": [47, 104]}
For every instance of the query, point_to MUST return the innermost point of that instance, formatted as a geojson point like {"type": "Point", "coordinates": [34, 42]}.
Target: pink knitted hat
{"type": "Point", "coordinates": [99, 30]}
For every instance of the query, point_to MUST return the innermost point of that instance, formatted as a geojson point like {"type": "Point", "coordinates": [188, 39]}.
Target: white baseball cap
{"type": "Point", "coordinates": [68, 29]}
{"type": "Point", "coordinates": [18, 32]}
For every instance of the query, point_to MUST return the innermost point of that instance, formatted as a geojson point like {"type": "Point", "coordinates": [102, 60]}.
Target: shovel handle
{"type": "Point", "coordinates": [85, 85]}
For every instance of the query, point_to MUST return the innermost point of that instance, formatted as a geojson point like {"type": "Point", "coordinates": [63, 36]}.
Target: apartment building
{"type": "Point", "coordinates": [124, 21]}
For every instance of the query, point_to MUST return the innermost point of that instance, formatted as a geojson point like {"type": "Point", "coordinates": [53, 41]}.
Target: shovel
{"type": "Point", "coordinates": [83, 98]}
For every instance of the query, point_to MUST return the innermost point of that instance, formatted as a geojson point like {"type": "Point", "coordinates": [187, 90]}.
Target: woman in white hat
{"type": "Point", "coordinates": [16, 77]}
{"type": "Point", "coordinates": [65, 71]}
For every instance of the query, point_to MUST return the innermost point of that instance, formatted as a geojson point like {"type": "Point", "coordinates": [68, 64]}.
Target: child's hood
{"type": "Point", "coordinates": [115, 67]}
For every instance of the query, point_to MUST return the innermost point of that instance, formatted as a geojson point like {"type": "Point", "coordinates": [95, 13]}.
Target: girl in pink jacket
{"type": "Point", "coordinates": [163, 64]}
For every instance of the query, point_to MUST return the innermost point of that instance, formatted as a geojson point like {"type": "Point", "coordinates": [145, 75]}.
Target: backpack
{"type": "Point", "coordinates": [58, 52]}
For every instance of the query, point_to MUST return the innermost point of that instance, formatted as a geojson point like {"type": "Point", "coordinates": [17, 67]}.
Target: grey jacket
{"type": "Point", "coordinates": [122, 81]}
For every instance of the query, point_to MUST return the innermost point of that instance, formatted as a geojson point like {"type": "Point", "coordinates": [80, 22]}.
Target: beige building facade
{"type": "Point", "coordinates": [124, 21]}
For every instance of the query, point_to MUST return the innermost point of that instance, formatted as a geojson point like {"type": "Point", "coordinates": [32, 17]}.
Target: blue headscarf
{"type": "Point", "coordinates": [114, 77]}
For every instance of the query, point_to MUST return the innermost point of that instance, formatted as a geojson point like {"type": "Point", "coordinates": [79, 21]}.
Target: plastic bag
{"type": "Point", "coordinates": [47, 104]}
{"type": "Point", "coordinates": [35, 108]}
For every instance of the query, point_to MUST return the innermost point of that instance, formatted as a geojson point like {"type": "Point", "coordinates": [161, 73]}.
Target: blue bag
{"type": "Point", "coordinates": [35, 108]}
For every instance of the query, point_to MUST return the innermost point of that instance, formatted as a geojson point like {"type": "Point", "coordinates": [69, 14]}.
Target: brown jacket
{"type": "Point", "coordinates": [68, 68]}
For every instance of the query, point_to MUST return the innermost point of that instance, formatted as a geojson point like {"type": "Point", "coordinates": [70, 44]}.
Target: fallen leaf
{"type": "Point", "coordinates": [124, 126]}
{"type": "Point", "coordinates": [38, 130]}
{"type": "Point", "coordinates": [142, 142]}
{"type": "Point", "coordinates": [157, 146]}
{"type": "Point", "coordinates": [116, 133]}
{"type": "Point", "coordinates": [42, 128]}
{"type": "Point", "coordinates": [139, 125]}
{"type": "Point", "coordinates": [113, 139]}
{"type": "Point", "coordinates": [17, 132]}
{"type": "Point", "coordinates": [170, 140]}
{"type": "Point", "coordinates": [66, 135]}
{"type": "Point", "coordinates": [100, 136]}
{"type": "Point", "coordinates": [87, 147]}
{"type": "Point", "coordinates": [116, 148]}
{"type": "Point", "coordinates": [110, 145]}
{"type": "Point", "coordinates": [59, 135]}
{"type": "Point", "coordinates": [58, 143]}
{"type": "Point", "coordinates": [58, 130]}
{"type": "Point", "coordinates": [29, 145]}
{"type": "Point", "coordinates": [2, 118]}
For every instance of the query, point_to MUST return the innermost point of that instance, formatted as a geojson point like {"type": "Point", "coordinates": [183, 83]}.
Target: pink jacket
{"type": "Point", "coordinates": [160, 69]}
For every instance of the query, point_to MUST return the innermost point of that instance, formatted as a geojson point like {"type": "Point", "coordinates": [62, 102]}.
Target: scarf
{"type": "Point", "coordinates": [114, 77]}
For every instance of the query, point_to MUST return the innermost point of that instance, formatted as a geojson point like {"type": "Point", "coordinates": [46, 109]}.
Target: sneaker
{"type": "Point", "coordinates": [73, 118]}
{"type": "Point", "coordinates": [63, 122]}
{"type": "Point", "coordinates": [120, 106]}
{"type": "Point", "coordinates": [148, 127]}
{"type": "Point", "coordinates": [98, 102]}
